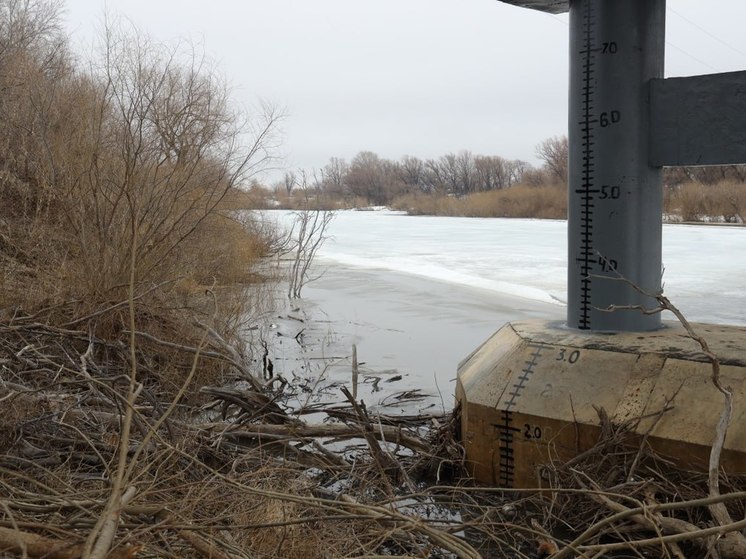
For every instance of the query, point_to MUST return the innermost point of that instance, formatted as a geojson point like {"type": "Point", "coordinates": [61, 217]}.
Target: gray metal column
{"type": "Point", "coordinates": [614, 222]}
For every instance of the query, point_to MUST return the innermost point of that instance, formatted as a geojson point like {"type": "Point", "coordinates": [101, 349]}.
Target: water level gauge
{"type": "Point", "coordinates": [614, 223]}
{"type": "Point", "coordinates": [528, 395]}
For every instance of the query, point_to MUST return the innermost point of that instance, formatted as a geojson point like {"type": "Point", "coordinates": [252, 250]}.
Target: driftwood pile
{"type": "Point", "coordinates": [98, 462]}
{"type": "Point", "coordinates": [228, 472]}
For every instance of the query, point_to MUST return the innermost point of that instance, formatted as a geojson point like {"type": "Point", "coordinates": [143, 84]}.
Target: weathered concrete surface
{"type": "Point", "coordinates": [529, 392]}
{"type": "Point", "coordinates": [698, 120]}
{"type": "Point", "coordinates": [550, 6]}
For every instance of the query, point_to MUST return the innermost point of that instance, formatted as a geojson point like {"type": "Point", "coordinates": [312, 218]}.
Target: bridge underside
{"type": "Point", "coordinates": [549, 6]}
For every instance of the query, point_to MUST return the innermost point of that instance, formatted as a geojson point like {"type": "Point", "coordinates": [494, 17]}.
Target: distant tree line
{"type": "Point", "coordinates": [379, 181]}
{"type": "Point", "coordinates": [674, 176]}
{"type": "Point", "coordinates": [489, 185]}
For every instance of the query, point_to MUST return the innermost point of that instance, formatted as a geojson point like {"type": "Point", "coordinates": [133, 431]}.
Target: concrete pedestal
{"type": "Point", "coordinates": [528, 394]}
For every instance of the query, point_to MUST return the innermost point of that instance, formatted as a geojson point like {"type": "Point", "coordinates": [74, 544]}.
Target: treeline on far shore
{"type": "Point", "coordinates": [464, 184]}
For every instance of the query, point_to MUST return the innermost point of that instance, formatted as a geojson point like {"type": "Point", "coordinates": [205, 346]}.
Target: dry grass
{"type": "Point", "coordinates": [724, 201]}
{"type": "Point", "coordinates": [519, 201]}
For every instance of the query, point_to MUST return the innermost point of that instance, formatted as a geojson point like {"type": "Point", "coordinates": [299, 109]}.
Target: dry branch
{"type": "Point", "coordinates": [296, 432]}
{"type": "Point", "coordinates": [35, 545]}
{"type": "Point", "coordinates": [386, 464]}
{"type": "Point", "coordinates": [676, 530]}
{"type": "Point", "coordinates": [205, 547]}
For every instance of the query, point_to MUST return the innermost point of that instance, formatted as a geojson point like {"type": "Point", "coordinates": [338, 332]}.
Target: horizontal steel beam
{"type": "Point", "coordinates": [698, 120]}
{"type": "Point", "coordinates": [550, 6]}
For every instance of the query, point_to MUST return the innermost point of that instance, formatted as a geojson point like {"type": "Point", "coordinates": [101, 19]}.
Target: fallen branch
{"type": "Point", "coordinates": [200, 544]}
{"type": "Point", "coordinates": [675, 530]}
{"type": "Point", "coordinates": [385, 462]}
{"type": "Point", "coordinates": [381, 433]}
{"type": "Point", "coordinates": [34, 545]}
{"type": "Point", "coordinates": [253, 404]}
{"type": "Point", "coordinates": [245, 374]}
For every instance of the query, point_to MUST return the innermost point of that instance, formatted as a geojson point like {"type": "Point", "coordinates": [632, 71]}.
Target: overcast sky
{"type": "Point", "coordinates": [405, 77]}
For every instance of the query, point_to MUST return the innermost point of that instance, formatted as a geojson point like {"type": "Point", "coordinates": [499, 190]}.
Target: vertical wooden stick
{"type": "Point", "coordinates": [355, 371]}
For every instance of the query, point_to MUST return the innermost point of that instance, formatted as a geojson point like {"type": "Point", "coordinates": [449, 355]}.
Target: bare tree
{"type": "Point", "coordinates": [554, 153]}
{"type": "Point", "coordinates": [31, 28]}
{"type": "Point", "coordinates": [435, 179]}
{"type": "Point", "coordinates": [705, 175]}
{"type": "Point", "coordinates": [466, 173]}
{"type": "Point", "coordinates": [35, 69]}
{"type": "Point", "coordinates": [494, 173]}
{"type": "Point", "coordinates": [290, 181]}
{"type": "Point", "coordinates": [366, 177]}
{"type": "Point", "coordinates": [448, 164]}
{"type": "Point", "coordinates": [518, 169]}
{"type": "Point", "coordinates": [334, 175]}
{"type": "Point", "coordinates": [412, 171]}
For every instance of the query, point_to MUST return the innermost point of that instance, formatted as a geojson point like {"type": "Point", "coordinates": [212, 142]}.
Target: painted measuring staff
{"type": "Point", "coordinates": [614, 219]}
{"type": "Point", "coordinates": [625, 123]}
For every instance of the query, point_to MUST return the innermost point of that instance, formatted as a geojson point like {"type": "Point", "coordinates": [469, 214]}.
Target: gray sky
{"type": "Point", "coordinates": [405, 77]}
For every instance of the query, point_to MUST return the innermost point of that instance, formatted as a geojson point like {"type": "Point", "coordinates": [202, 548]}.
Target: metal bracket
{"type": "Point", "coordinates": [698, 120]}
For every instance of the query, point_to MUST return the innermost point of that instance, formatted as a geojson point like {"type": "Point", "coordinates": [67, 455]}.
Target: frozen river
{"type": "Point", "coordinates": [418, 294]}
{"type": "Point", "coordinates": [705, 266]}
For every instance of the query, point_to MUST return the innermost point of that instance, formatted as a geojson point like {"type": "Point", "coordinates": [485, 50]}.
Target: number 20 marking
{"type": "Point", "coordinates": [531, 431]}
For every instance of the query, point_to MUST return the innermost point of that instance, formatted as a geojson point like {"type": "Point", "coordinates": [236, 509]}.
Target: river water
{"type": "Point", "coordinates": [418, 294]}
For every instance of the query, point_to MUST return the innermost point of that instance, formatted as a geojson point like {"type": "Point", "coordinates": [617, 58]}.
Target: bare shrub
{"type": "Point", "coordinates": [140, 160]}
{"type": "Point", "coordinates": [308, 235]}
{"type": "Point", "coordinates": [172, 154]}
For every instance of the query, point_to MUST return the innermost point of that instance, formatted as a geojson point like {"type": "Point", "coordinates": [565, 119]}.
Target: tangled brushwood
{"type": "Point", "coordinates": [236, 477]}
{"type": "Point", "coordinates": [121, 447]}
{"type": "Point", "coordinates": [94, 465]}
